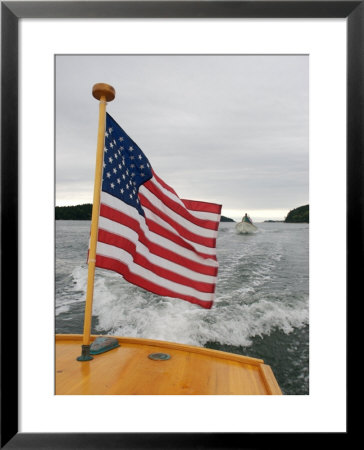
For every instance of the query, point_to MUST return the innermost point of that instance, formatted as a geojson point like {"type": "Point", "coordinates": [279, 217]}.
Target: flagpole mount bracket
{"type": "Point", "coordinates": [103, 344]}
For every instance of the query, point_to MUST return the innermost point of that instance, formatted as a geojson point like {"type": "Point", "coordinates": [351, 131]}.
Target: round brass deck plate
{"type": "Point", "coordinates": [159, 356]}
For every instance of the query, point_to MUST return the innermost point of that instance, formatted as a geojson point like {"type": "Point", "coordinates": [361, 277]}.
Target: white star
{"type": "Point", "coordinates": [122, 191]}
{"type": "Point", "coordinates": [112, 185]}
{"type": "Point", "coordinates": [118, 180]}
{"type": "Point", "coordinates": [131, 148]}
{"type": "Point", "coordinates": [108, 174]}
{"type": "Point", "coordinates": [114, 170]}
{"type": "Point", "coordinates": [140, 156]}
{"type": "Point", "coordinates": [111, 145]}
{"type": "Point", "coordinates": [106, 134]}
{"type": "Point", "coordinates": [121, 139]}
{"type": "Point", "coordinates": [110, 130]}
{"type": "Point", "coordinates": [110, 160]}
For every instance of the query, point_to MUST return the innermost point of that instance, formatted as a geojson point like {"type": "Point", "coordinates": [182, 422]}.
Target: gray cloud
{"type": "Point", "coordinates": [230, 129]}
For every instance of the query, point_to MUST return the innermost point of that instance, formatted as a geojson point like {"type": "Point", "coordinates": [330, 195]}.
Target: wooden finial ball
{"type": "Point", "coordinates": [102, 89]}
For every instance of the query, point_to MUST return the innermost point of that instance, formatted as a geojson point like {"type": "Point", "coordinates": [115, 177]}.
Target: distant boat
{"type": "Point", "coordinates": [246, 226]}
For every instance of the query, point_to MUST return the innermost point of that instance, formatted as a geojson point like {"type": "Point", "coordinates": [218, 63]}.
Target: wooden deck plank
{"type": "Point", "coordinates": [127, 370]}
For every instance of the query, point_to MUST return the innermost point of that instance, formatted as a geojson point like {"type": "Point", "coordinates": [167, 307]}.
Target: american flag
{"type": "Point", "coordinates": [149, 235]}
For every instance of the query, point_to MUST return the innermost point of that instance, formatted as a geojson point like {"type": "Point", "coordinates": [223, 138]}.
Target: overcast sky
{"type": "Point", "coordinates": [224, 129]}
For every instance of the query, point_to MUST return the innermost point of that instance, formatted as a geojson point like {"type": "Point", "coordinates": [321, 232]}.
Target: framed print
{"type": "Point", "coordinates": [39, 58]}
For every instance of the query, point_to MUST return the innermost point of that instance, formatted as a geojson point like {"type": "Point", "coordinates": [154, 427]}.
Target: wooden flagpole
{"type": "Point", "coordinates": [104, 93]}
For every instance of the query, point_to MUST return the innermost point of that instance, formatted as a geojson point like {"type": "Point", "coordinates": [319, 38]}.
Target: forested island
{"type": "Point", "coordinates": [83, 212]}
{"type": "Point", "coordinates": [77, 212]}
{"type": "Point", "coordinates": [298, 215]}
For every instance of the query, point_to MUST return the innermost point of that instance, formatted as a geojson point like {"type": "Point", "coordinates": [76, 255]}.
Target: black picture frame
{"type": "Point", "coordinates": [11, 13]}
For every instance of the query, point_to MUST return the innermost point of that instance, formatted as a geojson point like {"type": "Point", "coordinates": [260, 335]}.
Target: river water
{"type": "Point", "coordinates": [261, 308]}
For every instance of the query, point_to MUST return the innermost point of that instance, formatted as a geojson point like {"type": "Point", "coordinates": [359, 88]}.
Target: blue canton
{"type": "Point", "coordinates": [125, 165]}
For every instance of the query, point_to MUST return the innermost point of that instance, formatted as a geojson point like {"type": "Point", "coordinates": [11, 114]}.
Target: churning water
{"type": "Point", "coordinates": [261, 307]}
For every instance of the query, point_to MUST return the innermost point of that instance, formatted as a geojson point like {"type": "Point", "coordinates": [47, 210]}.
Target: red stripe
{"type": "Point", "coordinates": [124, 219]}
{"type": "Point", "coordinates": [118, 241]}
{"type": "Point", "coordinates": [158, 229]}
{"type": "Point", "coordinates": [164, 184]}
{"type": "Point", "coordinates": [202, 206]}
{"type": "Point", "coordinates": [207, 242]}
{"type": "Point", "coordinates": [179, 209]}
{"type": "Point", "coordinates": [119, 267]}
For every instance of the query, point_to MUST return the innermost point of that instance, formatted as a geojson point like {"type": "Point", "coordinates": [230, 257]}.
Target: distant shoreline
{"type": "Point", "coordinates": [84, 211]}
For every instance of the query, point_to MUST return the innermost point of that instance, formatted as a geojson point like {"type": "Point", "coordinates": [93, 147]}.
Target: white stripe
{"type": "Point", "coordinates": [131, 235]}
{"type": "Point", "coordinates": [124, 257]}
{"type": "Point", "coordinates": [196, 229]}
{"type": "Point", "coordinates": [198, 247]}
{"type": "Point", "coordinates": [119, 205]}
{"type": "Point", "coordinates": [204, 215]}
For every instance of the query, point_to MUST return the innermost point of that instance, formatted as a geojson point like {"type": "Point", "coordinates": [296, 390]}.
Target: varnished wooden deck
{"type": "Point", "coordinates": [127, 370]}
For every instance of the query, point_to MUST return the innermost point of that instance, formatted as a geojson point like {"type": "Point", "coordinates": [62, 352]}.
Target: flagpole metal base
{"type": "Point", "coordinates": [85, 356]}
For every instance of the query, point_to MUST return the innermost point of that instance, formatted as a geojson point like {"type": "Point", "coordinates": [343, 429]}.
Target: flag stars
{"type": "Point", "coordinates": [125, 166]}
